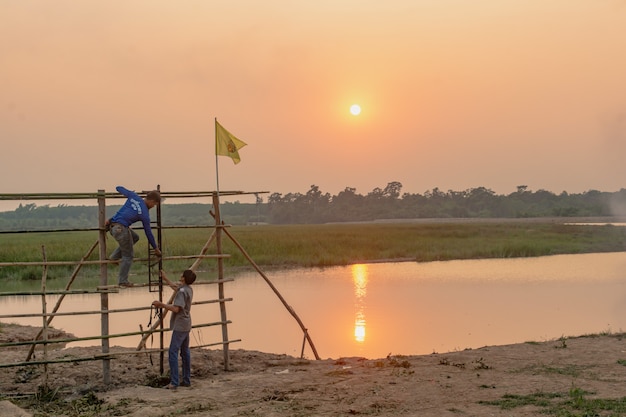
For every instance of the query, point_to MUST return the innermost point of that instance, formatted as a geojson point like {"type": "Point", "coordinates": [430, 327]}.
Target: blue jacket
{"type": "Point", "coordinates": [132, 211]}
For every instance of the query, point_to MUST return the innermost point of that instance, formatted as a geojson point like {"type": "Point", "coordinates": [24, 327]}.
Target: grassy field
{"type": "Point", "coordinates": [323, 245]}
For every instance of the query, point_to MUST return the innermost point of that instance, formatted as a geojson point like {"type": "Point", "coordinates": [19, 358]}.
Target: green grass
{"type": "Point", "coordinates": [324, 245]}
{"type": "Point", "coordinates": [573, 404]}
{"type": "Point", "coordinates": [342, 244]}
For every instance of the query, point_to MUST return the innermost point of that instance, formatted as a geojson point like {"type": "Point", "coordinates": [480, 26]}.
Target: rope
{"type": "Point", "coordinates": [153, 314]}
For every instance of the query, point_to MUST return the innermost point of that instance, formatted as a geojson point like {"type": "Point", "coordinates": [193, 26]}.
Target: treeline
{"type": "Point", "coordinates": [31, 217]}
{"type": "Point", "coordinates": [314, 207]}
{"type": "Point", "coordinates": [391, 203]}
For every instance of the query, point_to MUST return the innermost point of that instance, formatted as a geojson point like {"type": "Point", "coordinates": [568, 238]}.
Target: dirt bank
{"type": "Point", "coordinates": [470, 382]}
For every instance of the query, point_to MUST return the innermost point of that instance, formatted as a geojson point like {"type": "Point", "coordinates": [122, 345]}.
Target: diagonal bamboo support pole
{"type": "Point", "coordinates": [280, 297]}
{"type": "Point", "coordinates": [60, 300]}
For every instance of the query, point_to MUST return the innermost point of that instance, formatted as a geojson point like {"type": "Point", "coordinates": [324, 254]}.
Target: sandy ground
{"type": "Point", "coordinates": [260, 384]}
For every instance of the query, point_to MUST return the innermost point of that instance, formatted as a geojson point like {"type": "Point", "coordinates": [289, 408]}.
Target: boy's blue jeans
{"type": "Point", "coordinates": [179, 343]}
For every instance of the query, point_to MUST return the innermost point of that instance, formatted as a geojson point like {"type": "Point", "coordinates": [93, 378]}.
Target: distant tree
{"type": "Point", "coordinates": [522, 189]}
{"type": "Point", "coordinates": [392, 190]}
{"type": "Point", "coordinates": [347, 205]}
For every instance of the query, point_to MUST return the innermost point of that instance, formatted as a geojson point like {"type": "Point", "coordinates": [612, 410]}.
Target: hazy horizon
{"type": "Point", "coordinates": [454, 95]}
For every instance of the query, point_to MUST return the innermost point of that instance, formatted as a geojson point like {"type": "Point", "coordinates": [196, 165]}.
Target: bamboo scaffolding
{"type": "Point", "coordinates": [104, 288]}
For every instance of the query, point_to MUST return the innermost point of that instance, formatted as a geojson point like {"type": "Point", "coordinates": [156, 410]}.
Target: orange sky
{"type": "Point", "coordinates": [455, 94]}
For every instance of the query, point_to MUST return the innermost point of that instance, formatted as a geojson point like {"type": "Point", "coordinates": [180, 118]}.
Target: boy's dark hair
{"type": "Point", "coordinates": [190, 276]}
{"type": "Point", "coordinates": [154, 195]}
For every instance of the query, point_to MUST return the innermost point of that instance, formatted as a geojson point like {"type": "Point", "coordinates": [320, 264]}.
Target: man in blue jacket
{"type": "Point", "coordinates": [134, 209]}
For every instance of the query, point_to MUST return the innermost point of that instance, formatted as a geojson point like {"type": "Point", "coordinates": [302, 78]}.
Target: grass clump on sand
{"type": "Point", "coordinates": [574, 403]}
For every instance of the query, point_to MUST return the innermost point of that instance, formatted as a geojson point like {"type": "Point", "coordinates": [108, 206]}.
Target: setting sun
{"type": "Point", "coordinates": [355, 109]}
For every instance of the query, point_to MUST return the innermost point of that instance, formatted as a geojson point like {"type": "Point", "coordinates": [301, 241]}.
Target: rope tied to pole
{"type": "Point", "coordinates": [154, 313]}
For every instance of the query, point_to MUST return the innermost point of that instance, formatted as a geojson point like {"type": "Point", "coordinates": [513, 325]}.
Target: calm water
{"type": "Point", "coordinates": [372, 310]}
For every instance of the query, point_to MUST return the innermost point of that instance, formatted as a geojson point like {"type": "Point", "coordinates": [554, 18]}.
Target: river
{"type": "Point", "coordinates": [373, 310]}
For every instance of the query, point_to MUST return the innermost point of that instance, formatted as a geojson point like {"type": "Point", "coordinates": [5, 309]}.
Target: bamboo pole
{"type": "Point", "coordinates": [105, 262]}
{"type": "Point", "coordinates": [57, 292]}
{"type": "Point", "coordinates": [87, 312]}
{"type": "Point", "coordinates": [108, 336]}
{"type": "Point", "coordinates": [45, 321]}
{"type": "Point", "coordinates": [106, 288]}
{"type": "Point", "coordinates": [91, 195]}
{"type": "Point", "coordinates": [280, 297]}
{"type": "Point", "coordinates": [57, 263]}
{"type": "Point", "coordinates": [204, 250]}
{"type": "Point", "coordinates": [104, 297]}
{"type": "Point", "coordinates": [60, 300]}
{"type": "Point", "coordinates": [220, 276]}
{"type": "Point", "coordinates": [110, 355]}
{"type": "Point", "coordinates": [160, 280]}
{"type": "Point", "coordinates": [90, 229]}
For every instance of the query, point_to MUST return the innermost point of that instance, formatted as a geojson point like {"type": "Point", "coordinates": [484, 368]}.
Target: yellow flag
{"type": "Point", "coordinates": [226, 144]}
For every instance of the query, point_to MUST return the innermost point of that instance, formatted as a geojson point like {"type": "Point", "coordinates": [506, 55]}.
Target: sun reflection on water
{"type": "Point", "coordinates": [359, 277]}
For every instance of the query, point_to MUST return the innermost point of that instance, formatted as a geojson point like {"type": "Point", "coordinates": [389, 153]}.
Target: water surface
{"type": "Point", "coordinates": [372, 310]}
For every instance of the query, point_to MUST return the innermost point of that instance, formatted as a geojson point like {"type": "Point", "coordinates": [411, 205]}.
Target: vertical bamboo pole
{"type": "Point", "coordinates": [45, 319]}
{"type": "Point", "coordinates": [220, 277]}
{"type": "Point", "coordinates": [159, 237]}
{"type": "Point", "coordinates": [104, 296]}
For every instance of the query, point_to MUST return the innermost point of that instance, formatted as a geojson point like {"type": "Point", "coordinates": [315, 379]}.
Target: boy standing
{"type": "Point", "coordinates": [180, 324]}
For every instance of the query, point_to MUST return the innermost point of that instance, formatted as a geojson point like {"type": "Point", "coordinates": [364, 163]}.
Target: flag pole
{"type": "Point", "coordinates": [217, 171]}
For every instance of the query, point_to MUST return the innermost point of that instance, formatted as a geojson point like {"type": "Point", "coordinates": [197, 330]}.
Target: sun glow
{"type": "Point", "coordinates": [355, 109]}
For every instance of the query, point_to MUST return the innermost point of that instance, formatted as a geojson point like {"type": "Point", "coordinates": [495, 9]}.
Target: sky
{"type": "Point", "coordinates": [455, 94]}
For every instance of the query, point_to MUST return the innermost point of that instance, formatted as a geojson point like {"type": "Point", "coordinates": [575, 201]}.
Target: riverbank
{"type": "Point", "coordinates": [312, 246]}
{"type": "Point", "coordinates": [569, 374]}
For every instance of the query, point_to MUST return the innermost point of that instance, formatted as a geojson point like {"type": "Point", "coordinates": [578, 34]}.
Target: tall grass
{"type": "Point", "coordinates": [274, 246]}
